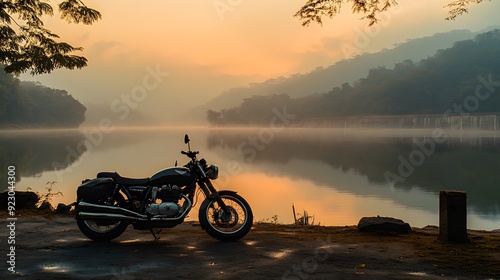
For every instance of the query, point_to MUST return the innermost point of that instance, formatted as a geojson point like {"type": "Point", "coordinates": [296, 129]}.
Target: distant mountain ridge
{"type": "Point", "coordinates": [460, 80]}
{"type": "Point", "coordinates": [346, 71]}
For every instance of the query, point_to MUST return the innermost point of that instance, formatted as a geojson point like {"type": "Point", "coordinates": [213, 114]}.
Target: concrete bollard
{"type": "Point", "coordinates": [453, 216]}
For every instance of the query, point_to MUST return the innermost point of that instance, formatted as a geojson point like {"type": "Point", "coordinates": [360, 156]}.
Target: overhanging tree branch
{"type": "Point", "coordinates": [25, 45]}
{"type": "Point", "coordinates": [315, 10]}
{"type": "Point", "coordinates": [460, 7]}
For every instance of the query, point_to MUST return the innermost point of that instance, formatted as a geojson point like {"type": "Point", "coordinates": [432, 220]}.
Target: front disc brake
{"type": "Point", "coordinates": [226, 219]}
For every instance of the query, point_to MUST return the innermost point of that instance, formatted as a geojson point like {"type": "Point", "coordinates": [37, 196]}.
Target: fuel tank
{"type": "Point", "coordinates": [179, 176]}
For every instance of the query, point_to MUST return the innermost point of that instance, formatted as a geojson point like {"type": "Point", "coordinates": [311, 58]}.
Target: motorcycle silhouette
{"type": "Point", "coordinates": [109, 203]}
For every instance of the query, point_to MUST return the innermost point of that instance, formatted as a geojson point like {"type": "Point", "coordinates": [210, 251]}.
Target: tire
{"type": "Point", "coordinates": [226, 227]}
{"type": "Point", "coordinates": [112, 229]}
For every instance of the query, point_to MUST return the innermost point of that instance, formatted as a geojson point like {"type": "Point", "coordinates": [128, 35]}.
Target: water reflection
{"type": "Point", "coordinates": [337, 175]}
{"type": "Point", "coordinates": [33, 153]}
{"type": "Point", "coordinates": [466, 162]}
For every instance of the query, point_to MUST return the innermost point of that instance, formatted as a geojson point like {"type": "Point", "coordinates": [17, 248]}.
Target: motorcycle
{"type": "Point", "coordinates": [109, 203]}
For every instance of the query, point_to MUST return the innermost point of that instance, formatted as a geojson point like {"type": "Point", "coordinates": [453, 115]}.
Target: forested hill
{"type": "Point", "coordinates": [28, 104]}
{"type": "Point", "coordinates": [349, 70]}
{"type": "Point", "coordinates": [446, 81]}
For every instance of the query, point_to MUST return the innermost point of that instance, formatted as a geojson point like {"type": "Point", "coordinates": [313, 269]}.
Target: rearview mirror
{"type": "Point", "coordinates": [186, 139]}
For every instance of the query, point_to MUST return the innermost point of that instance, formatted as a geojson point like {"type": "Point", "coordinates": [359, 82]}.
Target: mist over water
{"type": "Point", "coordinates": [337, 175]}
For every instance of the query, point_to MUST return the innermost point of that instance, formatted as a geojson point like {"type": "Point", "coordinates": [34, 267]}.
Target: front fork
{"type": "Point", "coordinates": [210, 192]}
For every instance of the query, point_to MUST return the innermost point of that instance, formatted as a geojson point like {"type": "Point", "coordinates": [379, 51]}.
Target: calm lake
{"type": "Point", "coordinates": [336, 175]}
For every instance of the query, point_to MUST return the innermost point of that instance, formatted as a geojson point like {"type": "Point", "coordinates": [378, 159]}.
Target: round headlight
{"type": "Point", "coordinates": [213, 172]}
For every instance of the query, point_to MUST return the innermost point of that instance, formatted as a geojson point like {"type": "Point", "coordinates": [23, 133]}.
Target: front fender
{"type": "Point", "coordinates": [217, 194]}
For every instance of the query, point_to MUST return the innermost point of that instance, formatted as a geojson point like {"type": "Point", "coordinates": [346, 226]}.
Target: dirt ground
{"type": "Point", "coordinates": [53, 248]}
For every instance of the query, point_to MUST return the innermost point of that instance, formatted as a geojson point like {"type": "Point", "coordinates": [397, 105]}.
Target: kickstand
{"type": "Point", "coordinates": [153, 233]}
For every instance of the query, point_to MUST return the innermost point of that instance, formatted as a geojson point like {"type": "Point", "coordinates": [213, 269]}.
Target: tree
{"type": "Point", "coordinates": [30, 104]}
{"type": "Point", "coordinates": [26, 45]}
{"type": "Point", "coordinates": [214, 117]}
{"type": "Point", "coordinates": [314, 10]}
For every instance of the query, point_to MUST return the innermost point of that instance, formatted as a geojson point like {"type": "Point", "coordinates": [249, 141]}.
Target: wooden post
{"type": "Point", "coordinates": [453, 216]}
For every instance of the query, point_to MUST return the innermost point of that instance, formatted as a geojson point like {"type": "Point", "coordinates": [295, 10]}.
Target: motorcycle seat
{"type": "Point", "coordinates": [123, 180]}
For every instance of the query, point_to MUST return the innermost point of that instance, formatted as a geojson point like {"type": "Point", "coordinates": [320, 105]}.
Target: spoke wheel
{"type": "Point", "coordinates": [229, 225]}
{"type": "Point", "coordinates": [101, 226]}
{"type": "Point", "coordinates": [103, 230]}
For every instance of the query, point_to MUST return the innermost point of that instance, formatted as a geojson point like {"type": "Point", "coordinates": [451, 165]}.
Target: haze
{"type": "Point", "coordinates": [210, 46]}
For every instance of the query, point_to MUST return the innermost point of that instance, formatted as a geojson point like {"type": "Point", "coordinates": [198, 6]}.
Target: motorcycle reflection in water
{"type": "Point", "coordinates": [107, 204]}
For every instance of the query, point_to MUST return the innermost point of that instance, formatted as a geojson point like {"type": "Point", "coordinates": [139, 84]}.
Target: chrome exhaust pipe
{"type": "Point", "coordinates": [106, 209]}
{"type": "Point", "coordinates": [107, 216]}
{"type": "Point", "coordinates": [95, 211]}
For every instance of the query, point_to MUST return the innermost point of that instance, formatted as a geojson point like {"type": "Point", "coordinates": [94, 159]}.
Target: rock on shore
{"type": "Point", "coordinates": [384, 224]}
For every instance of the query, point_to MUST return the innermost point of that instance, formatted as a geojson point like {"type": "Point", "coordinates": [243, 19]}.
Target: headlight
{"type": "Point", "coordinates": [213, 172]}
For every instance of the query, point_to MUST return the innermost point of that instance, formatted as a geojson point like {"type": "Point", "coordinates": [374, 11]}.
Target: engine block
{"type": "Point", "coordinates": [169, 193]}
{"type": "Point", "coordinates": [164, 208]}
{"type": "Point", "coordinates": [169, 196]}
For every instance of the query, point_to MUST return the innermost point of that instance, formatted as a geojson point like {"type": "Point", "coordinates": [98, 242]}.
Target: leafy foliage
{"type": "Point", "coordinates": [25, 45]}
{"type": "Point", "coordinates": [315, 10]}
{"type": "Point", "coordinates": [459, 7]}
{"type": "Point", "coordinates": [431, 86]}
{"type": "Point", "coordinates": [32, 104]}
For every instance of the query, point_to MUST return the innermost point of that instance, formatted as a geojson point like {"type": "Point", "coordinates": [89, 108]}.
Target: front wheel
{"type": "Point", "coordinates": [229, 225]}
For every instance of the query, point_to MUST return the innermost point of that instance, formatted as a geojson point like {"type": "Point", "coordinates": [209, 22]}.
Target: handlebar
{"type": "Point", "coordinates": [190, 154]}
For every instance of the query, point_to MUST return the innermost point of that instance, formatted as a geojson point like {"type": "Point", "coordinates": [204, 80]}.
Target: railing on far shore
{"type": "Point", "coordinates": [461, 122]}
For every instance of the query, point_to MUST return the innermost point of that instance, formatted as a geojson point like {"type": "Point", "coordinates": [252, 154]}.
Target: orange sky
{"type": "Point", "coordinates": [207, 51]}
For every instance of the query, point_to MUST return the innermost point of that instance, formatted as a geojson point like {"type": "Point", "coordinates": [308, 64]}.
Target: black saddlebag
{"type": "Point", "coordinates": [95, 190]}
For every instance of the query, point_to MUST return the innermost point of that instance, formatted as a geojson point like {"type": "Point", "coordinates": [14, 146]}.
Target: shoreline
{"type": "Point", "coordinates": [52, 246]}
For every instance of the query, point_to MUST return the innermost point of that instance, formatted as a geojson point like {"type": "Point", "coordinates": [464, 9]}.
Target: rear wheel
{"type": "Point", "coordinates": [229, 225]}
{"type": "Point", "coordinates": [103, 230]}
